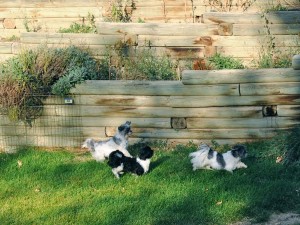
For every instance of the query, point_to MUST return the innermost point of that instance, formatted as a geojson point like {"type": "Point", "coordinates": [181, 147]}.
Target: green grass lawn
{"type": "Point", "coordinates": [60, 187]}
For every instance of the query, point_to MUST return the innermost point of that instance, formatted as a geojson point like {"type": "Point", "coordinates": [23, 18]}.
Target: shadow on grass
{"type": "Point", "coordinates": [158, 162]}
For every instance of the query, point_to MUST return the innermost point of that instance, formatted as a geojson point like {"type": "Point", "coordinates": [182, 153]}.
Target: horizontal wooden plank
{"type": "Point", "coordinates": [123, 100]}
{"type": "Point", "coordinates": [4, 57]}
{"type": "Point", "coordinates": [199, 133]}
{"type": "Point", "coordinates": [68, 38]}
{"type": "Point", "coordinates": [47, 24]}
{"type": "Point", "coordinates": [289, 110]}
{"type": "Point", "coordinates": [157, 88]}
{"type": "Point", "coordinates": [5, 47]}
{"type": "Point", "coordinates": [7, 34]}
{"type": "Point", "coordinates": [138, 3]}
{"type": "Point", "coordinates": [240, 76]}
{"type": "Point", "coordinates": [53, 131]}
{"type": "Point", "coordinates": [55, 12]}
{"type": "Point", "coordinates": [14, 141]}
{"type": "Point", "coordinates": [213, 101]}
{"type": "Point", "coordinates": [215, 40]}
{"type": "Point", "coordinates": [136, 88]}
{"type": "Point", "coordinates": [248, 52]}
{"type": "Point", "coordinates": [163, 19]}
{"type": "Point", "coordinates": [50, 121]}
{"type": "Point", "coordinates": [51, 4]}
{"type": "Point", "coordinates": [284, 88]}
{"type": "Point", "coordinates": [278, 17]}
{"type": "Point", "coordinates": [157, 29]}
{"type": "Point", "coordinates": [155, 112]}
{"type": "Point", "coordinates": [216, 123]}
{"type": "Point", "coordinates": [64, 114]}
{"type": "Point", "coordinates": [262, 29]}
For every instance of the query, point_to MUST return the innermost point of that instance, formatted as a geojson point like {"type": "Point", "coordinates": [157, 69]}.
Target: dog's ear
{"type": "Point", "coordinates": [239, 151]}
{"type": "Point", "coordinates": [146, 153]}
{"type": "Point", "coordinates": [121, 128]}
{"type": "Point", "coordinates": [235, 153]}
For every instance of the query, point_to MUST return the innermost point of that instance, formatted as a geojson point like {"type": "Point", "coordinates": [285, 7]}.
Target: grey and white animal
{"type": "Point", "coordinates": [100, 150]}
{"type": "Point", "coordinates": [207, 158]}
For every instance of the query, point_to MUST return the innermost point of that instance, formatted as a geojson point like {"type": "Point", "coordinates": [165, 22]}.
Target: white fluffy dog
{"type": "Point", "coordinates": [207, 158]}
{"type": "Point", "coordinates": [100, 150]}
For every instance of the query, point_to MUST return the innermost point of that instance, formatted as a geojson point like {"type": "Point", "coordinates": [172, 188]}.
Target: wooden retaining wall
{"type": "Point", "coordinates": [50, 16]}
{"type": "Point", "coordinates": [242, 36]}
{"type": "Point", "coordinates": [228, 106]}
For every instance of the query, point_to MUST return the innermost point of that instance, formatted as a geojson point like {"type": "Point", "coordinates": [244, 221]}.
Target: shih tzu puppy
{"type": "Point", "coordinates": [121, 163]}
{"type": "Point", "coordinates": [100, 150]}
{"type": "Point", "coordinates": [207, 158]}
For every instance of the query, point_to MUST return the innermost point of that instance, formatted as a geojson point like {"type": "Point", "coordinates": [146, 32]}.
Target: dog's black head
{"type": "Point", "coordinates": [239, 151]}
{"type": "Point", "coordinates": [125, 129]}
{"type": "Point", "coordinates": [115, 158]}
{"type": "Point", "coordinates": [146, 153]}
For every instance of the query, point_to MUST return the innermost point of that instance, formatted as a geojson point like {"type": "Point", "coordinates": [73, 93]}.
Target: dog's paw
{"type": "Point", "coordinates": [242, 165]}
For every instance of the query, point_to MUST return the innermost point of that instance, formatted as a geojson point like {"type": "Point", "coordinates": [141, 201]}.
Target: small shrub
{"type": "Point", "coordinates": [120, 11]}
{"type": "Point", "coordinates": [274, 8]}
{"type": "Point", "coordinates": [219, 62]}
{"type": "Point", "coordinates": [147, 66]}
{"type": "Point", "coordinates": [284, 147]}
{"type": "Point", "coordinates": [274, 58]}
{"type": "Point", "coordinates": [84, 27]}
{"type": "Point", "coordinates": [32, 75]}
{"type": "Point", "coordinates": [139, 64]}
{"type": "Point", "coordinates": [293, 147]}
{"type": "Point", "coordinates": [65, 83]}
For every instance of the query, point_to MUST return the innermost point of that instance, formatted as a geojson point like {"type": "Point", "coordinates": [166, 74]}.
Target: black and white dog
{"type": "Point", "coordinates": [100, 150]}
{"type": "Point", "coordinates": [121, 164]}
{"type": "Point", "coordinates": [207, 158]}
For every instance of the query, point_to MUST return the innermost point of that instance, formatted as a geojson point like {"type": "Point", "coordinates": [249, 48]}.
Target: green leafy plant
{"type": "Point", "coordinates": [140, 64]}
{"type": "Point", "coordinates": [84, 27]}
{"type": "Point", "coordinates": [286, 146]}
{"type": "Point", "coordinates": [147, 66]}
{"type": "Point", "coordinates": [31, 25]}
{"type": "Point", "coordinates": [120, 11]}
{"type": "Point", "coordinates": [274, 7]}
{"type": "Point", "coordinates": [12, 38]}
{"type": "Point", "coordinates": [229, 5]}
{"type": "Point", "coordinates": [34, 74]}
{"type": "Point", "coordinates": [219, 62]}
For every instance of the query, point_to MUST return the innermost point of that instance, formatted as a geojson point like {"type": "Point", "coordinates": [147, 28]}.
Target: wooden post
{"type": "Point", "coordinates": [178, 123]}
{"type": "Point", "coordinates": [296, 62]}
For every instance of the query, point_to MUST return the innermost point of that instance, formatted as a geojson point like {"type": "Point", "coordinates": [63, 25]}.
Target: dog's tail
{"type": "Point", "coordinates": [198, 157]}
{"type": "Point", "coordinates": [203, 150]}
{"type": "Point", "coordinates": [89, 144]}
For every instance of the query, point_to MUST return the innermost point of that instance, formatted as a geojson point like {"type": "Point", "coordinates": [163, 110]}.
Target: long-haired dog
{"type": "Point", "coordinates": [121, 164]}
{"type": "Point", "coordinates": [207, 158]}
{"type": "Point", "coordinates": [100, 150]}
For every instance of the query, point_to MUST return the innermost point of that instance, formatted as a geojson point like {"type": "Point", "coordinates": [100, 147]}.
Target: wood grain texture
{"type": "Point", "coordinates": [240, 76]}
{"type": "Point", "coordinates": [200, 133]}
{"type": "Point", "coordinates": [278, 17]}
{"type": "Point", "coordinates": [150, 88]}
{"type": "Point", "coordinates": [153, 112]}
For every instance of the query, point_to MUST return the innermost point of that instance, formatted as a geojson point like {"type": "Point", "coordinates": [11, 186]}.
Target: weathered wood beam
{"type": "Point", "coordinates": [240, 76]}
